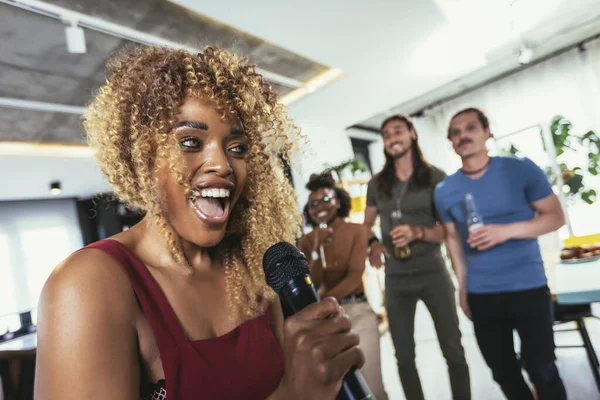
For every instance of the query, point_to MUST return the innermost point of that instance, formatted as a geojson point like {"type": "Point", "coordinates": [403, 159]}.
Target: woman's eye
{"type": "Point", "coordinates": [190, 143]}
{"type": "Point", "coordinates": [239, 149]}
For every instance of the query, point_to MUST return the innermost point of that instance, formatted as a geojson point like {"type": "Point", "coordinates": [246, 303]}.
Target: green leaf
{"type": "Point", "coordinates": [572, 175]}
{"type": "Point", "coordinates": [550, 175]}
{"type": "Point", "coordinates": [561, 129]}
{"type": "Point", "coordinates": [354, 164]}
{"type": "Point", "coordinates": [589, 196]}
{"type": "Point", "coordinates": [511, 151]}
{"type": "Point", "coordinates": [575, 183]}
{"type": "Point", "coordinates": [591, 139]}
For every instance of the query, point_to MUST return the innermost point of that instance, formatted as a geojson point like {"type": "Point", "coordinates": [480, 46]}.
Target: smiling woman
{"type": "Point", "coordinates": [338, 268]}
{"type": "Point", "coordinates": [178, 304]}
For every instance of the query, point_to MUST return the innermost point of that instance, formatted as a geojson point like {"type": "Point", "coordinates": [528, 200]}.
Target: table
{"type": "Point", "coordinates": [17, 366]}
{"type": "Point", "coordinates": [576, 285]}
{"type": "Point", "coordinates": [21, 346]}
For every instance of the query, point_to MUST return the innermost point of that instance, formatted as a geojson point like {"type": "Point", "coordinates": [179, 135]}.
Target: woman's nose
{"type": "Point", "coordinates": [216, 161]}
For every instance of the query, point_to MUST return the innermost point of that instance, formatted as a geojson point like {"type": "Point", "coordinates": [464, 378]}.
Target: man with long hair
{"type": "Point", "coordinates": [405, 185]}
{"type": "Point", "coordinates": [496, 256]}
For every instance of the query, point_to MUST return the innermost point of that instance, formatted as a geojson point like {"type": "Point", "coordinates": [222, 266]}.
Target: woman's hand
{"type": "Point", "coordinates": [322, 236]}
{"type": "Point", "coordinates": [319, 349]}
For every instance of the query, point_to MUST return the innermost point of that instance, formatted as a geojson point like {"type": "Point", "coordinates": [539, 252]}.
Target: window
{"type": "Point", "coordinates": [9, 321]}
{"type": "Point", "coordinates": [51, 246]}
{"type": "Point", "coordinates": [361, 151]}
{"type": "Point", "coordinates": [529, 142]}
{"type": "Point", "coordinates": [8, 302]}
{"type": "Point", "coordinates": [35, 236]}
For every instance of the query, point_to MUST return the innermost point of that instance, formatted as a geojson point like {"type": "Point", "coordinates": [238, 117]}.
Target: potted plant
{"type": "Point", "coordinates": [565, 141]}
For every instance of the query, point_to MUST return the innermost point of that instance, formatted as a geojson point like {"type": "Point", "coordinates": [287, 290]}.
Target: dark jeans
{"type": "Point", "coordinates": [437, 292]}
{"type": "Point", "coordinates": [495, 315]}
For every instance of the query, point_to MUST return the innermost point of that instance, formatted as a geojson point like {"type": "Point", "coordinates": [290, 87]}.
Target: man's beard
{"type": "Point", "coordinates": [401, 154]}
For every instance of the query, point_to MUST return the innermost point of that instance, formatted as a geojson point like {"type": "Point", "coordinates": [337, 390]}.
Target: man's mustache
{"type": "Point", "coordinates": [464, 141]}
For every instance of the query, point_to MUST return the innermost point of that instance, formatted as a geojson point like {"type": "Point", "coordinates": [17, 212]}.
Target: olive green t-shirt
{"type": "Point", "coordinates": [417, 210]}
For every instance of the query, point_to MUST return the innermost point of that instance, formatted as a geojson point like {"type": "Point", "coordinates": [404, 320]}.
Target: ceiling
{"type": "Point", "coordinates": [397, 51]}
{"type": "Point", "coordinates": [546, 27]}
{"type": "Point", "coordinates": [395, 55]}
{"type": "Point", "coordinates": [36, 65]}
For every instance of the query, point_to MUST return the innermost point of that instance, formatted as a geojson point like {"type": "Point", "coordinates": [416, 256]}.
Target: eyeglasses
{"type": "Point", "coordinates": [324, 200]}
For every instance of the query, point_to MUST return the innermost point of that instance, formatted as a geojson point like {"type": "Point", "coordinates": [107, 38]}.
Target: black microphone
{"type": "Point", "coordinates": [286, 271]}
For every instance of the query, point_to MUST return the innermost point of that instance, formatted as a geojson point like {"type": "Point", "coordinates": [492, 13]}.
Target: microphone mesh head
{"type": "Point", "coordinates": [283, 262]}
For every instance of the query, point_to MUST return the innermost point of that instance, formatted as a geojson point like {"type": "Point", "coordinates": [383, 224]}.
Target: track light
{"type": "Point", "coordinates": [55, 188]}
{"type": "Point", "coordinates": [75, 37]}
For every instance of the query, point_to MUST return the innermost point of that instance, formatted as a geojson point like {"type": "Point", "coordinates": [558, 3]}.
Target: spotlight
{"type": "Point", "coordinates": [55, 188]}
{"type": "Point", "coordinates": [75, 37]}
{"type": "Point", "coordinates": [525, 55]}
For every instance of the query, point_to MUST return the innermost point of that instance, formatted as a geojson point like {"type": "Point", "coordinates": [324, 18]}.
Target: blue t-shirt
{"type": "Point", "coordinates": [502, 195]}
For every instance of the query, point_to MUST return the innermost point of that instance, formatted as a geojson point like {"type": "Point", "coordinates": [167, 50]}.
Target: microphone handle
{"type": "Point", "coordinates": [299, 293]}
{"type": "Point", "coordinates": [354, 385]}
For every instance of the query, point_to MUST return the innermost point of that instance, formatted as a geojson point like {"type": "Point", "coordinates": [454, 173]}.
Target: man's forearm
{"type": "Point", "coordinates": [538, 226]}
{"type": "Point", "coordinates": [454, 247]}
{"type": "Point", "coordinates": [433, 234]}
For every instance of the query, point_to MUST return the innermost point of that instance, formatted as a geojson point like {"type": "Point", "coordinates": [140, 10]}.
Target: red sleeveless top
{"type": "Point", "coordinates": [245, 363]}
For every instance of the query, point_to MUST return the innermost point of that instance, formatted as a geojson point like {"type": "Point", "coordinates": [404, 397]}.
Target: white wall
{"type": "Point", "coordinates": [326, 147]}
{"type": "Point", "coordinates": [376, 155]}
{"type": "Point", "coordinates": [34, 237]}
{"type": "Point", "coordinates": [27, 177]}
{"type": "Point", "coordinates": [436, 148]}
{"type": "Point", "coordinates": [375, 148]}
{"type": "Point", "coordinates": [568, 84]}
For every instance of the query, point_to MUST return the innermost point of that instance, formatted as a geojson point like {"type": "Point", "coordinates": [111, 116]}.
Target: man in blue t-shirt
{"type": "Point", "coordinates": [502, 283]}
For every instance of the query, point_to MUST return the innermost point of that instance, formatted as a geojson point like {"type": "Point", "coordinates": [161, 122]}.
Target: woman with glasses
{"type": "Point", "coordinates": [337, 251]}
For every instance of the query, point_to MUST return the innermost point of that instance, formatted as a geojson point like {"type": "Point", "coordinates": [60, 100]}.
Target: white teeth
{"type": "Point", "coordinates": [216, 193]}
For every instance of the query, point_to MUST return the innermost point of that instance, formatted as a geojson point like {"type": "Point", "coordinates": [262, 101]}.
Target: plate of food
{"type": "Point", "coordinates": [580, 254]}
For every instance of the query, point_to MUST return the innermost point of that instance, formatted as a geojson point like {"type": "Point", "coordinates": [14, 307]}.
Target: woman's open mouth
{"type": "Point", "coordinates": [323, 214]}
{"type": "Point", "coordinates": [211, 205]}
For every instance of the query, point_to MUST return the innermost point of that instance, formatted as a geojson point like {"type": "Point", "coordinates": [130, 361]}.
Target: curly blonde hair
{"type": "Point", "coordinates": [129, 124]}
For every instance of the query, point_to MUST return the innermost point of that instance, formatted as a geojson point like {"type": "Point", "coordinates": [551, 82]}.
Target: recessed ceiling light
{"type": "Point", "coordinates": [55, 188]}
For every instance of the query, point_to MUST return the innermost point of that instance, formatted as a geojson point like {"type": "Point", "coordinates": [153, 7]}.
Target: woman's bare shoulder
{"type": "Point", "coordinates": [89, 287]}
{"type": "Point", "coordinates": [357, 229]}
{"type": "Point", "coordinates": [88, 271]}
{"type": "Point", "coordinates": [87, 316]}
